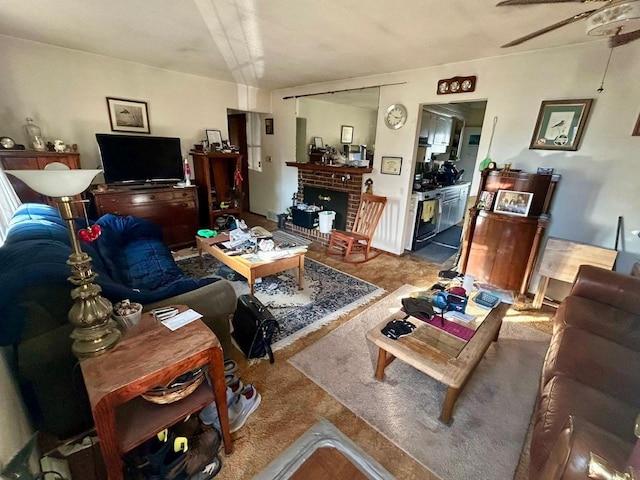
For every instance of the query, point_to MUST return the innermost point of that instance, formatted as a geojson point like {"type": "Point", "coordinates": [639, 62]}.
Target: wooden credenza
{"type": "Point", "coordinates": [499, 249]}
{"type": "Point", "coordinates": [175, 210]}
{"type": "Point", "coordinates": [32, 160]}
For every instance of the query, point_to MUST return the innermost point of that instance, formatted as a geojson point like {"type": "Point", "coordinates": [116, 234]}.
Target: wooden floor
{"type": "Point", "coordinates": [327, 463]}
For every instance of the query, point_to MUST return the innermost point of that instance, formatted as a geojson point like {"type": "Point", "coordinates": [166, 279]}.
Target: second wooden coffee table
{"type": "Point", "coordinates": [251, 270]}
{"type": "Point", "coordinates": [440, 355]}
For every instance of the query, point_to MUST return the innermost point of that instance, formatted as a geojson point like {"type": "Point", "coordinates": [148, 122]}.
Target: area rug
{"type": "Point", "coordinates": [491, 415]}
{"type": "Point", "coordinates": [327, 295]}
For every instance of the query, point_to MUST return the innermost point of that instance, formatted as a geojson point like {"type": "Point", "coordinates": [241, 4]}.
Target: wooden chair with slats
{"type": "Point", "coordinates": [358, 240]}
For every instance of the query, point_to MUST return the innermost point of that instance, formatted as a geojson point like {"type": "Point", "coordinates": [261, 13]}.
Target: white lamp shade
{"type": "Point", "coordinates": [56, 183]}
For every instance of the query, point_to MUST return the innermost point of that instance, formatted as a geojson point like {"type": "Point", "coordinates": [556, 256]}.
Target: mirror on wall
{"type": "Point", "coordinates": [345, 121]}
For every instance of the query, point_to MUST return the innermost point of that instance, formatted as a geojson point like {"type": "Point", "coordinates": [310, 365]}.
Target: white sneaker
{"type": "Point", "coordinates": [209, 414]}
{"type": "Point", "coordinates": [245, 404]}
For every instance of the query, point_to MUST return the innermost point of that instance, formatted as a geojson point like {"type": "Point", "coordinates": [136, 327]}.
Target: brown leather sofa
{"type": "Point", "coordinates": [590, 387]}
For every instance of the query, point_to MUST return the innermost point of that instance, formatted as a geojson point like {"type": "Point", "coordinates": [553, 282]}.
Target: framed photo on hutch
{"type": "Point", "coordinates": [317, 143]}
{"type": "Point", "coordinates": [128, 115]}
{"type": "Point", "coordinates": [214, 138]}
{"type": "Point", "coordinates": [511, 202]}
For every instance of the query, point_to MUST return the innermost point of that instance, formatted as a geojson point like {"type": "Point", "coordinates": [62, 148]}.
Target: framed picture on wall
{"type": "Point", "coordinates": [391, 165]}
{"type": "Point", "coordinates": [128, 115]}
{"type": "Point", "coordinates": [268, 126]}
{"type": "Point", "coordinates": [346, 134]}
{"type": "Point", "coordinates": [560, 124]}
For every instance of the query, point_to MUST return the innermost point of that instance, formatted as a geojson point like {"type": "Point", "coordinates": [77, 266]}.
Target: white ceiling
{"type": "Point", "coordinates": [282, 43]}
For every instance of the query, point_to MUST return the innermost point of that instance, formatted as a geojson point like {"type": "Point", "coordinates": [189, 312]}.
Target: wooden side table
{"type": "Point", "coordinates": [149, 355]}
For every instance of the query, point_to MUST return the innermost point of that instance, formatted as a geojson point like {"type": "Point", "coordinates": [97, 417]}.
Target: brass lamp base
{"type": "Point", "coordinates": [95, 340]}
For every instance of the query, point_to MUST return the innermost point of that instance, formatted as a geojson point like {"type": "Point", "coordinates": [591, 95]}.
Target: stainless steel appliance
{"type": "Point", "coordinates": [428, 212]}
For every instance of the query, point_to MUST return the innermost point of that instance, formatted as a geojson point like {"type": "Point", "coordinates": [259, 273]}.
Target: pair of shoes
{"type": "Point", "coordinates": [230, 367]}
{"type": "Point", "coordinates": [239, 405]}
{"type": "Point", "coordinates": [233, 381]}
{"type": "Point", "coordinates": [246, 403]}
{"type": "Point", "coordinates": [182, 458]}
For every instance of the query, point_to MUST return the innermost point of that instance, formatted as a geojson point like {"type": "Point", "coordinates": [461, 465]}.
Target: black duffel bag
{"type": "Point", "coordinates": [253, 327]}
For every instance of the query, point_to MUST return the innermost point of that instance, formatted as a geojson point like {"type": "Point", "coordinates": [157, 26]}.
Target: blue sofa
{"type": "Point", "coordinates": [131, 261]}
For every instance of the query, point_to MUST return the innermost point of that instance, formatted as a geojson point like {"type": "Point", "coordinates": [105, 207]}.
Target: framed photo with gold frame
{"type": "Point", "coordinates": [391, 165]}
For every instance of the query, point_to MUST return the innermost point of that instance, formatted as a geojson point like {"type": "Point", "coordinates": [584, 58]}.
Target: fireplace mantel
{"type": "Point", "coordinates": [329, 168]}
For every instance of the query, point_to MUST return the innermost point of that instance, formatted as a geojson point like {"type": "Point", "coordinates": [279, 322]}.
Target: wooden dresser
{"type": "Point", "coordinates": [501, 249]}
{"type": "Point", "coordinates": [32, 160]}
{"type": "Point", "coordinates": [175, 210]}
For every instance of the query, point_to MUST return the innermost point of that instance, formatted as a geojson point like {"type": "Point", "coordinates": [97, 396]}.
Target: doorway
{"type": "Point", "coordinates": [237, 125]}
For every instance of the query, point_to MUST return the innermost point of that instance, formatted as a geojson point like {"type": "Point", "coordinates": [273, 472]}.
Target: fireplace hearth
{"type": "Point", "coordinates": [339, 192]}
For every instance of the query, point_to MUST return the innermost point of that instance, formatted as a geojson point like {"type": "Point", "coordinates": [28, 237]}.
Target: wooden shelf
{"type": "Point", "coordinates": [215, 171]}
{"type": "Point", "coordinates": [138, 420]}
{"type": "Point", "coordinates": [329, 168]}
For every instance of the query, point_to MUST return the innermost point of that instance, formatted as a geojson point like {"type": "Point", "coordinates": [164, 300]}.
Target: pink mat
{"type": "Point", "coordinates": [452, 328]}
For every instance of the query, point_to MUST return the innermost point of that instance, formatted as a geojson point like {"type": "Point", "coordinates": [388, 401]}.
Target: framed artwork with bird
{"type": "Point", "coordinates": [560, 124]}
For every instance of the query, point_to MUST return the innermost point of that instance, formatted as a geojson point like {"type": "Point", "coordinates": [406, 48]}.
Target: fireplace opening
{"type": "Point", "coordinates": [328, 199]}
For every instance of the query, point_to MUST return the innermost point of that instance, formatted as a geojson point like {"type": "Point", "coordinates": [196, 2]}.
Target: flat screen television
{"type": "Point", "coordinates": [133, 159]}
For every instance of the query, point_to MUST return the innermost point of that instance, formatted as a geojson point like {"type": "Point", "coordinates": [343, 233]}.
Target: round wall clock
{"type": "Point", "coordinates": [396, 116]}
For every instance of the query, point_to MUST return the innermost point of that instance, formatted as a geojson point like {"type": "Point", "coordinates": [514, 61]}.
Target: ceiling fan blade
{"type": "Point", "coordinates": [623, 38]}
{"type": "Point", "coordinates": [550, 28]}
{"type": "Point", "coordinates": [505, 3]}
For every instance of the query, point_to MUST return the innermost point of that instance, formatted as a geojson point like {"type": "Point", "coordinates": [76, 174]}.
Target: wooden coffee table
{"type": "Point", "coordinates": [440, 355]}
{"type": "Point", "coordinates": [251, 270]}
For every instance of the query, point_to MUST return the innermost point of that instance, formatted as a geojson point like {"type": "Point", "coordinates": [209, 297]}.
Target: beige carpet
{"type": "Point", "coordinates": [491, 417]}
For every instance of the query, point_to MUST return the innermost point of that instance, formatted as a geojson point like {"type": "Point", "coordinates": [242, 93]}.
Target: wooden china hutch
{"type": "Point", "coordinates": [501, 249]}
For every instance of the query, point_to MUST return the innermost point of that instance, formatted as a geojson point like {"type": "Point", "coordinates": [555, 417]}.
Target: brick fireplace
{"type": "Point", "coordinates": [324, 180]}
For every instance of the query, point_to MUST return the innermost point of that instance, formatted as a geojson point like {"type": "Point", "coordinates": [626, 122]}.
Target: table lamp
{"type": "Point", "coordinates": [95, 331]}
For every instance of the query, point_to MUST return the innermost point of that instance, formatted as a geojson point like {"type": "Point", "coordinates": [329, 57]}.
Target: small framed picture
{"type": "Point", "coordinates": [128, 115]}
{"type": "Point", "coordinates": [485, 201]}
{"type": "Point", "coordinates": [346, 134]}
{"type": "Point", "coordinates": [511, 202]}
{"type": "Point", "coordinates": [268, 126]}
{"type": "Point", "coordinates": [391, 165]}
{"type": "Point", "coordinates": [317, 142]}
{"type": "Point", "coordinates": [214, 139]}
{"type": "Point", "coordinates": [545, 171]}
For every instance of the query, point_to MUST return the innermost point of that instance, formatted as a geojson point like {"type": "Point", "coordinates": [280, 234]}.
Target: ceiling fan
{"type": "Point", "coordinates": [617, 19]}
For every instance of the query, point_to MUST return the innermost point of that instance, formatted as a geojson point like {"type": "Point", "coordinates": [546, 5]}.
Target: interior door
{"type": "Point", "coordinates": [237, 123]}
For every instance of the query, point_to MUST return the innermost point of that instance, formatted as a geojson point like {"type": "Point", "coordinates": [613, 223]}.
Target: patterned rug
{"type": "Point", "coordinates": [327, 295]}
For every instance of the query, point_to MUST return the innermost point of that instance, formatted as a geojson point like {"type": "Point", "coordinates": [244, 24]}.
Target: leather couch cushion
{"type": "Point", "coordinates": [563, 396]}
{"type": "Point", "coordinates": [594, 361]}
{"type": "Point", "coordinates": [604, 320]}
{"type": "Point", "coordinates": [571, 452]}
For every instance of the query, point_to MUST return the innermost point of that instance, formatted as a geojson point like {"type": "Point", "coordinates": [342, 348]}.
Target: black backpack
{"type": "Point", "coordinates": [253, 327]}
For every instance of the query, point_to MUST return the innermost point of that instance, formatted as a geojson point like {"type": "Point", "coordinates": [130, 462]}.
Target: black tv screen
{"type": "Point", "coordinates": [138, 159]}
